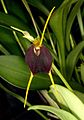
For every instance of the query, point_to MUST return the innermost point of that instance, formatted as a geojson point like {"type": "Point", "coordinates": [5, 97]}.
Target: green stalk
{"type": "Point", "coordinates": [72, 42]}
{"type": "Point", "coordinates": [77, 75]}
{"type": "Point", "coordinates": [4, 7]}
{"type": "Point", "coordinates": [49, 99]}
{"type": "Point", "coordinates": [17, 39]}
{"type": "Point", "coordinates": [3, 50]}
{"type": "Point", "coordinates": [30, 13]}
{"type": "Point", "coordinates": [52, 44]}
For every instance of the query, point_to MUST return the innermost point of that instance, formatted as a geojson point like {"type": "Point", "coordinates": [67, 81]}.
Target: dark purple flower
{"type": "Point", "coordinates": [38, 59]}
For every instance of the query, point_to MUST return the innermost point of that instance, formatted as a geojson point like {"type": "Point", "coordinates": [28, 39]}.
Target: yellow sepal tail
{"type": "Point", "coordinates": [51, 78]}
{"type": "Point", "coordinates": [27, 90]}
{"type": "Point", "coordinates": [45, 26]}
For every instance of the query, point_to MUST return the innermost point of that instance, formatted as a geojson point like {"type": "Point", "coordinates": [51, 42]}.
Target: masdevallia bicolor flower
{"type": "Point", "coordinates": [38, 58]}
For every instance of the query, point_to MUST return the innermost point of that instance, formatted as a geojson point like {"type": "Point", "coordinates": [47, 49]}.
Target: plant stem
{"type": "Point", "coordinates": [62, 78]}
{"type": "Point", "coordinates": [49, 99]}
{"type": "Point", "coordinates": [17, 39]}
{"type": "Point", "coordinates": [4, 7]}
{"type": "Point", "coordinates": [52, 44]}
{"type": "Point", "coordinates": [3, 50]}
{"type": "Point", "coordinates": [72, 42]}
{"type": "Point", "coordinates": [30, 13]}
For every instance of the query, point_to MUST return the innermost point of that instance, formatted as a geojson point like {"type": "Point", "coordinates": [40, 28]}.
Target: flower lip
{"type": "Point", "coordinates": [37, 51]}
{"type": "Point", "coordinates": [38, 59]}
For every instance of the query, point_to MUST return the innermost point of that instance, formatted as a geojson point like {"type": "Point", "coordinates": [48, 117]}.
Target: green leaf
{"type": "Point", "coordinates": [80, 95]}
{"type": "Point", "coordinates": [67, 5]}
{"type": "Point", "coordinates": [10, 20]}
{"type": "Point", "coordinates": [82, 72]}
{"type": "Point", "coordinates": [70, 20]}
{"type": "Point", "coordinates": [14, 70]}
{"type": "Point", "coordinates": [59, 24]}
{"type": "Point", "coordinates": [76, 86]}
{"type": "Point", "coordinates": [72, 59]}
{"type": "Point", "coordinates": [80, 22]}
{"type": "Point", "coordinates": [62, 114]}
{"type": "Point", "coordinates": [8, 41]}
{"type": "Point", "coordinates": [38, 4]}
{"type": "Point", "coordinates": [56, 25]}
{"type": "Point", "coordinates": [65, 13]}
{"type": "Point", "coordinates": [72, 101]}
{"type": "Point", "coordinates": [15, 8]}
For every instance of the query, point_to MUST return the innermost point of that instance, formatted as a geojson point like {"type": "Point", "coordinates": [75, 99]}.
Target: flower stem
{"type": "Point", "coordinates": [4, 7]}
